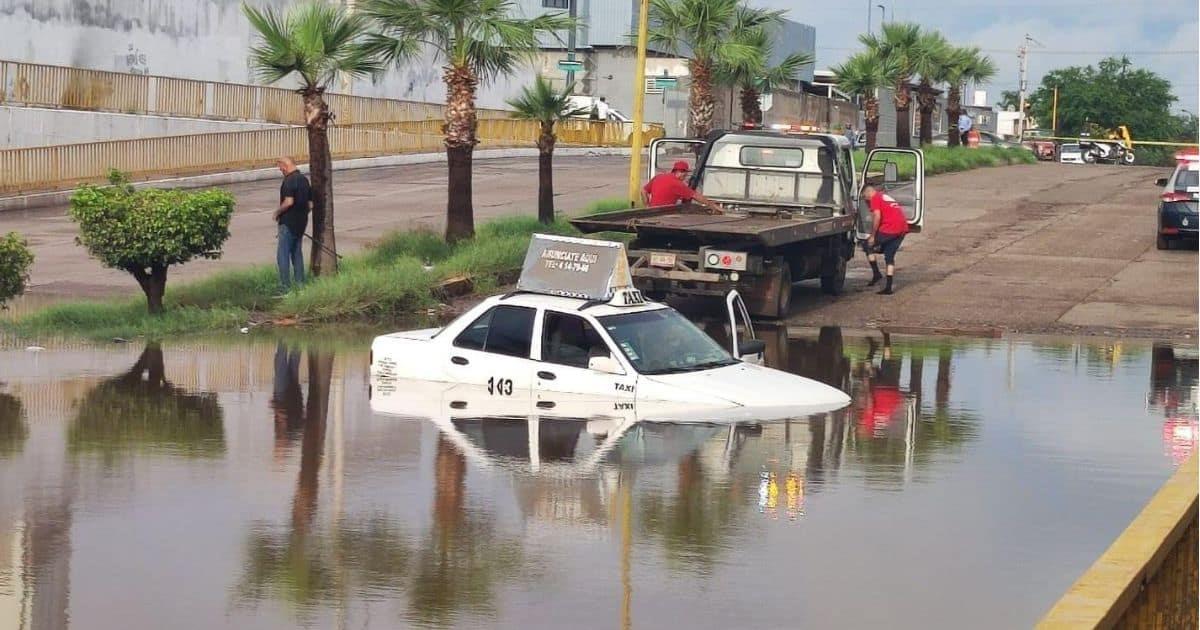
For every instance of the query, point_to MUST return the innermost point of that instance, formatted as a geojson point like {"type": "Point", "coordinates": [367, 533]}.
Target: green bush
{"type": "Point", "coordinates": [15, 260]}
{"type": "Point", "coordinates": [143, 232]}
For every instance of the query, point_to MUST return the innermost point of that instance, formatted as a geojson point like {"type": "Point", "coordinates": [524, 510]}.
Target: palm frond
{"type": "Point", "coordinates": [542, 103]}
{"type": "Point", "coordinates": [315, 40]}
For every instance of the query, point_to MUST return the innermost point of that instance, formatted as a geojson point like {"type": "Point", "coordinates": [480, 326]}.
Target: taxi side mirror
{"type": "Point", "coordinates": [751, 346]}
{"type": "Point", "coordinates": [1161, 181]}
{"type": "Point", "coordinates": [605, 365]}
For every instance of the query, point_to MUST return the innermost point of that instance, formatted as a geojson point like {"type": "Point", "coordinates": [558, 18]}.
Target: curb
{"type": "Point", "coordinates": [61, 197]}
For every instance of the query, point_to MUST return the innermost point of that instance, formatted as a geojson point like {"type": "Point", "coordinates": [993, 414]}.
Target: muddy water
{"type": "Point", "coordinates": [251, 486]}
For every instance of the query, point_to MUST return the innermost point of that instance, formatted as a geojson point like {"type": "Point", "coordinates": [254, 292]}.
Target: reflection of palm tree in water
{"type": "Point", "coordinates": [304, 505]}
{"type": "Point", "coordinates": [13, 431]}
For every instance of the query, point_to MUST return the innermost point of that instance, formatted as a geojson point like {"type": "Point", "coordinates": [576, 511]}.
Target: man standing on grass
{"type": "Point", "coordinates": [295, 202]}
{"type": "Point", "coordinates": [964, 125]}
{"type": "Point", "coordinates": [888, 227]}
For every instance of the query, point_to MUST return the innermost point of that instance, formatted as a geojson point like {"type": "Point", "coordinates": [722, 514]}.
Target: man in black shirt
{"type": "Point", "coordinates": [295, 201]}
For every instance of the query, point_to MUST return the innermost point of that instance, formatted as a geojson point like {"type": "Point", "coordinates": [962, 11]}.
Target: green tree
{"type": "Point", "coordinates": [143, 232]}
{"type": "Point", "coordinates": [1010, 100]}
{"type": "Point", "coordinates": [316, 41]}
{"type": "Point", "coordinates": [711, 33]}
{"type": "Point", "coordinates": [933, 60]}
{"type": "Point", "coordinates": [966, 65]}
{"type": "Point", "coordinates": [900, 44]}
{"type": "Point", "coordinates": [15, 260]}
{"type": "Point", "coordinates": [480, 40]}
{"type": "Point", "coordinates": [540, 102]}
{"type": "Point", "coordinates": [862, 74]}
{"type": "Point", "coordinates": [754, 75]}
{"type": "Point", "coordinates": [1111, 94]}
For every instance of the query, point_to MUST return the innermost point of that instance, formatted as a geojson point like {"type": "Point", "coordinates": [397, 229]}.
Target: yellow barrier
{"type": "Point", "coordinates": [38, 169]}
{"type": "Point", "coordinates": [1147, 578]}
{"type": "Point", "coordinates": [98, 90]}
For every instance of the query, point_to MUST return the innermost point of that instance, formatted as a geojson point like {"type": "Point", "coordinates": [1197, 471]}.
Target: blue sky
{"type": "Point", "coordinates": [1074, 32]}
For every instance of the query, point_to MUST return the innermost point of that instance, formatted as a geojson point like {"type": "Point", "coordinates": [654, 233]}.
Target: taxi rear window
{"type": "Point", "coordinates": [779, 157]}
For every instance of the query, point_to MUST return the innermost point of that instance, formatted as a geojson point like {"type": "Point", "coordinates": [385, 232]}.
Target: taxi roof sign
{"type": "Point", "coordinates": [575, 267]}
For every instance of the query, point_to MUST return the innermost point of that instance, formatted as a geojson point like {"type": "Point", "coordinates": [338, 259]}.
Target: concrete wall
{"type": "Point", "coordinates": [197, 39]}
{"type": "Point", "coordinates": [32, 127]}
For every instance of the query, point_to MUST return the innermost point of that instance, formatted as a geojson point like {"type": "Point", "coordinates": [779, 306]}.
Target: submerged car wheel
{"type": "Point", "coordinates": [1162, 242]}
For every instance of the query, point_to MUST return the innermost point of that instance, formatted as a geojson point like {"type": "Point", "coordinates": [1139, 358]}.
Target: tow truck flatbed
{"type": "Point", "coordinates": [706, 228]}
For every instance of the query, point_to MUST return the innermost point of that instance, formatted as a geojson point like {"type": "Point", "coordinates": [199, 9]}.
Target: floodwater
{"type": "Point", "coordinates": [251, 486]}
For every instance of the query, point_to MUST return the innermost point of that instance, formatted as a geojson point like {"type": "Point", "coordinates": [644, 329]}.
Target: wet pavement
{"type": "Point", "coordinates": [251, 486]}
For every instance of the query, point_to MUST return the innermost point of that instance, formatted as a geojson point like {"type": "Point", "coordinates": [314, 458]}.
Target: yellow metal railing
{"type": "Point", "coordinates": [98, 90]}
{"type": "Point", "coordinates": [38, 169]}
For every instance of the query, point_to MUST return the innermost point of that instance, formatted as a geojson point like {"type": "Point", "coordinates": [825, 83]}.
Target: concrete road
{"type": "Point", "coordinates": [1037, 248]}
{"type": "Point", "coordinates": [1040, 248]}
{"type": "Point", "coordinates": [369, 204]}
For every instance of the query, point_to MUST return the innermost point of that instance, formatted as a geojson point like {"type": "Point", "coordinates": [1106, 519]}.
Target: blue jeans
{"type": "Point", "coordinates": [289, 253]}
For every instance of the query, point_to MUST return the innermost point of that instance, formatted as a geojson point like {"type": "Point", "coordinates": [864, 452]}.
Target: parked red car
{"type": "Point", "coordinates": [1043, 149]}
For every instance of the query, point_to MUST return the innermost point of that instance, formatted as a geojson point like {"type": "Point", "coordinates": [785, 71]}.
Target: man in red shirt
{"type": "Point", "coordinates": [888, 227]}
{"type": "Point", "coordinates": [668, 189]}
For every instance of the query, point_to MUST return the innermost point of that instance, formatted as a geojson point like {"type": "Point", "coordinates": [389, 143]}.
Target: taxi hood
{"type": "Point", "coordinates": [745, 385]}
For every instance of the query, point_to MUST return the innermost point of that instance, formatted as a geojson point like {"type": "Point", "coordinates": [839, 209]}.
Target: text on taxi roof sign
{"type": "Point", "coordinates": [574, 267]}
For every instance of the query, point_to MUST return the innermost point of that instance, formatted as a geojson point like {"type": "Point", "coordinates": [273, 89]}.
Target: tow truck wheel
{"type": "Point", "coordinates": [835, 281]}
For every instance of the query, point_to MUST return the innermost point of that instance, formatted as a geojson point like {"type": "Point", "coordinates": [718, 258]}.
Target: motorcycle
{"type": "Point", "coordinates": [1105, 151]}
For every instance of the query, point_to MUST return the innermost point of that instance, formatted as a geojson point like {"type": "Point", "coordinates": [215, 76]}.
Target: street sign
{"type": "Point", "coordinates": [570, 65]}
{"type": "Point", "coordinates": [665, 82]}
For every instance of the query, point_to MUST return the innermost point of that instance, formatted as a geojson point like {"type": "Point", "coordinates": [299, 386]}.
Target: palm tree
{"type": "Point", "coordinates": [754, 75]}
{"type": "Point", "coordinates": [864, 74]}
{"type": "Point", "coordinates": [968, 66]}
{"type": "Point", "coordinates": [934, 56]}
{"type": "Point", "coordinates": [479, 40]}
{"type": "Point", "coordinates": [539, 102]}
{"type": "Point", "coordinates": [316, 41]}
{"type": "Point", "coordinates": [708, 31]}
{"type": "Point", "coordinates": [900, 46]}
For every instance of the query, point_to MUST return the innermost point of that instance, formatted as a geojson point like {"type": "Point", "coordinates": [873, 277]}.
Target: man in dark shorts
{"type": "Point", "coordinates": [888, 227]}
{"type": "Point", "coordinates": [295, 201]}
{"type": "Point", "coordinates": [669, 189]}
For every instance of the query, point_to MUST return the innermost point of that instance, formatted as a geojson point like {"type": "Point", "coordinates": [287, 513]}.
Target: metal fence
{"type": "Point", "coordinates": [41, 85]}
{"type": "Point", "coordinates": [59, 167]}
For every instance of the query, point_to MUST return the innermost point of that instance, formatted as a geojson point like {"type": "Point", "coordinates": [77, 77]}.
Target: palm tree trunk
{"type": "Point", "coordinates": [546, 174]}
{"type": "Point", "coordinates": [871, 118]}
{"type": "Point", "coordinates": [751, 108]}
{"type": "Point", "coordinates": [903, 102]}
{"type": "Point", "coordinates": [953, 110]}
{"type": "Point", "coordinates": [323, 258]}
{"type": "Point", "coordinates": [460, 147]}
{"type": "Point", "coordinates": [700, 98]}
{"type": "Point", "coordinates": [926, 100]}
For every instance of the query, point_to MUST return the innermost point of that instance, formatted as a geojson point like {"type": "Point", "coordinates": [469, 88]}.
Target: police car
{"type": "Point", "coordinates": [577, 338]}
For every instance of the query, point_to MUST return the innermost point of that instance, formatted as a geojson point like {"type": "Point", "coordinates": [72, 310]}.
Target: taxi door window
{"type": "Point", "coordinates": [503, 330]}
{"type": "Point", "coordinates": [570, 340]}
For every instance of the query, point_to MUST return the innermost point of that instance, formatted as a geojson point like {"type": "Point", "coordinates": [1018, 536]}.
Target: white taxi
{"type": "Point", "coordinates": [576, 334]}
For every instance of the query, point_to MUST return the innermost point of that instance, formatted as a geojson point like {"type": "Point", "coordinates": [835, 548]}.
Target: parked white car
{"type": "Point", "coordinates": [576, 337]}
{"type": "Point", "coordinates": [1070, 154]}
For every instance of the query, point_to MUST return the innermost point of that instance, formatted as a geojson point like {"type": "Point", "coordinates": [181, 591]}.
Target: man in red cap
{"type": "Point", "coordinates": [668, 189]}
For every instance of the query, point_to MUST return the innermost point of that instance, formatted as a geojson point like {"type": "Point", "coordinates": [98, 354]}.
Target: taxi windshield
{"type": "Point", "coordinates": [662, 341]}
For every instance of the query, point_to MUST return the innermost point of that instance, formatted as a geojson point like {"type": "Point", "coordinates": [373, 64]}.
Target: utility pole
{"type": "Point", "coordinates": [571, 12]}
{"type": "Point", "coordinates": [639, 103]}
{"type": "Point", "coordinates": [1023, 53]}
{"type": "Point", "coordinates": [868, 16]}
{"type": "Point", "coordinates": [1054, 116]}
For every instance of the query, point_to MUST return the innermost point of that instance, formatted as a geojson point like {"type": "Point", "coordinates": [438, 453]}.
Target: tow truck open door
{"type": "Point", "coordinates": [742, 342]}
{"type": "Point", "coordinates": [664, 152]}
{"type": "Point", "coordinates": [899, 173]}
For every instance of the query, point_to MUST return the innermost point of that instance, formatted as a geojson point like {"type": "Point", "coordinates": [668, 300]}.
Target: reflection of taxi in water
{"type": "Point", "coordinates": [575, 330]}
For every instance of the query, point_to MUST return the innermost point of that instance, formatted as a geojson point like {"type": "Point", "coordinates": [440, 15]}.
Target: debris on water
{"type": "Point", "coordinates": [119, 340]}
{"type": "Point", "coordinates": [34, 349]}
{"type": "Point", "coordinates": [244, 330]}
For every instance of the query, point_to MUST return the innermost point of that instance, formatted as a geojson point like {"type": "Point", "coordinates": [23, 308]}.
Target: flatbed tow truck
{"type": "Point", "coordinates": [792, 212]}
